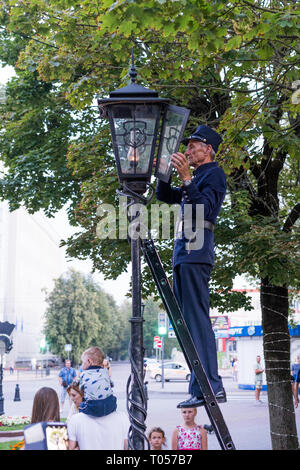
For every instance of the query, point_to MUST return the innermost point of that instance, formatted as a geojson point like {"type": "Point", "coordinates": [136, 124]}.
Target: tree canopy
{"type": "Point", "coordinates": [233, 65]}
{"type": "Point", "coordinates": [80, 313]}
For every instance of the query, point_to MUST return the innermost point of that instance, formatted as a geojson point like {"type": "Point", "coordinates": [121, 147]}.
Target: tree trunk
{"type": "Point", "coordinates": [276, 342]}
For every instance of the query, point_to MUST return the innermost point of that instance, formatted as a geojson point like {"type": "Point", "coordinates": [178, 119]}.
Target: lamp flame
{"type": "Point", "coordinates": [133, 155]}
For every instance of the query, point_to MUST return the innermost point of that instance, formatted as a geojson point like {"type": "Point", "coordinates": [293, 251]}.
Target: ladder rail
{"type": "Point", "coordinates": [186, 342]}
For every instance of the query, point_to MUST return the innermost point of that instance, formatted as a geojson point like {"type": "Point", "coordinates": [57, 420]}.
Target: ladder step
{"type": "Point", "coordinates": [187, 345]}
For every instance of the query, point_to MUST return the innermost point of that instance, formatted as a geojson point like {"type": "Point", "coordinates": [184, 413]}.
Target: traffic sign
{"type": "Point", "coordinates": [156, 338]}
{"type": "Point", "coordinates": [171, 332]}
{"type": "Point", "coordinates": [162, 323]}
{"type": "Point", "coordinates": [158, 344]}
{"type": "Point", "coordinates": [161, 318]}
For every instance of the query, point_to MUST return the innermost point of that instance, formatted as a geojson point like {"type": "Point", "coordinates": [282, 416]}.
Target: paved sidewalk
{"type": "Point", "coordinates": [173, 387]}
{"type": "Point", "coordinates": [28, 375]}
{"type": "Point", "coordinates": [239, 409]}
{"type": "Point", "coordinates": [181, 386]}
{"type": "Point", "coordinates": [24, 407]}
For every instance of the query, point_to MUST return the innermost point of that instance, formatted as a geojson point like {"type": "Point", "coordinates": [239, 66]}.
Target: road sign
{"type": "Point", "coordinates": [68, 347]}
{"type": "Point", "coordinates": [156, 338]}
{"type": "Point", "coordinates": [171, 332]}
{"type": "Point", "coordinates": [220, 322]}
{"type": "Point", "coordinates": [158, 344]}
{"type": "Point", "coordinates": [162, 323]}
{"type": "Point", "coordinates": [161, 318]}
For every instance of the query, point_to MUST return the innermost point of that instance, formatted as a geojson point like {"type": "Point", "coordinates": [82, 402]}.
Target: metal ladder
{"type": "Point", "coordinates": [185, 340]}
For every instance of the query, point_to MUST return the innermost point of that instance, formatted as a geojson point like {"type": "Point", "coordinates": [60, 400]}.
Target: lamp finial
{"type": "Point", "coordinates": [133, 72]}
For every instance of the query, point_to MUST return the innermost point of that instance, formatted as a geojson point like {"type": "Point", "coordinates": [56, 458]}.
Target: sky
{"type": "Point", "coordinates": [117, 288]}
{"type": "Point", "coordinates": [6, 73]}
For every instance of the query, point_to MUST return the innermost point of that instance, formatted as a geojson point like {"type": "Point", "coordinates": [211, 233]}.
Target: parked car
{"type": "Point", "coordinates": [172, 371]}
{"type": "Point", "coordinates": [150, 363]}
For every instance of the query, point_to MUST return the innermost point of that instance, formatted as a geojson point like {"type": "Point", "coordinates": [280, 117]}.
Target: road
{"type": "Point", "coordinates": [248, 423]}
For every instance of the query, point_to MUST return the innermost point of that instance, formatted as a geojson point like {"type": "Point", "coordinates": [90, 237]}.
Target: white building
{"type": "Point", "coordinates": [239, 334]}
{"type": "Point", "coordinates": [249, 341]}
{"type": "Point", "coordinates": [30, 258]}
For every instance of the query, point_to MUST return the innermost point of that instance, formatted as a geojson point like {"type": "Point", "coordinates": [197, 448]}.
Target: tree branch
{"type": "Point", "coordinates": [292, 218]}
{"type": "Point", "coordinates": [26, 36]}
{"type": "Point", "coordinates": [268, 10]}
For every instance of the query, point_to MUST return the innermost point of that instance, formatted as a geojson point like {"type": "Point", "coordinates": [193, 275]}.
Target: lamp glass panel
{"type": "Point", "coordinates": [172, 132]}
{"type": "Point", "coordinates": [135, 133]}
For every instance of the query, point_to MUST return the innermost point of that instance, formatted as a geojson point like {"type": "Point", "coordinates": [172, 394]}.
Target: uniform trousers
{"type": "Point", "coordinates": [190, 286]}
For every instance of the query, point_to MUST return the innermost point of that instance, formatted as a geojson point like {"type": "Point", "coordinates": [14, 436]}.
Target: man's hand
{"type": "Point", "coordinates": [180, 162]}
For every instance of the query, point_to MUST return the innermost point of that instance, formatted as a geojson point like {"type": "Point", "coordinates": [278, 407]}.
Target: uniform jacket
{"type": "Point", "coordinates": [208, 187]}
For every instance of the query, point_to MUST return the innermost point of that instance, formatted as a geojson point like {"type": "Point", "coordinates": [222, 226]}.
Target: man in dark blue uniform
{"type": "Point", "coordinates": [192, 262]}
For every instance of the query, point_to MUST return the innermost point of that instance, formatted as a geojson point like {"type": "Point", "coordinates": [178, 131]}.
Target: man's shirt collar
{"type": "Point", "coordinates": [204, 167]}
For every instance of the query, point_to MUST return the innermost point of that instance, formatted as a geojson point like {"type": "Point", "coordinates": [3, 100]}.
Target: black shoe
{"type": "Point", "coordinates": [194, 402]}
{"type": "Point", "coordinates": [221, 396]}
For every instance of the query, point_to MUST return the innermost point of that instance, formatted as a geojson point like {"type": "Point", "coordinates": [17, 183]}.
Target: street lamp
{"type": "Point", "coordinates": [136, 115]}
{"type": "Point", "coordinates": [6, 344]}
{"type": "Point", "coordinates": [140, 122]}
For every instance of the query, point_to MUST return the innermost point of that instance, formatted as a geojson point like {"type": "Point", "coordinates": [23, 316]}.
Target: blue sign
{"type": "Point", "coordinates": [255, 330]}
{"type": "Point", "coordinates": [171, 332]}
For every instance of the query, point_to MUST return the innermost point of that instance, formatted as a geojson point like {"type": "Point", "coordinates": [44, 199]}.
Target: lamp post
{"type": "Point", "coordinates": [6, 344]}
{"type": "Point", "coordinates": [140, 122]}
{"type": "Point", "coordinates": [2, 352]}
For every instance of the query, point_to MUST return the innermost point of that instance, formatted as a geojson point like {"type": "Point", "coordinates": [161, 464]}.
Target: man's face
{"type": "Point", "coordinates": [198, 153]}
{"type": "Point", "coordinates": [68, 364]}
{"type": "Point", "coordinates": [258, 359]}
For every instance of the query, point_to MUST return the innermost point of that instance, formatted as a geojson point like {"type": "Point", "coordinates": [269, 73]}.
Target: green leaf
{"type": "Point", "coordinates": [233, 43]}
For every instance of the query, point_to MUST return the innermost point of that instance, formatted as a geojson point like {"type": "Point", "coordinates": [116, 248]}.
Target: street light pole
{"type": "Point", "coordinates": [136, 114]}
{"type": "Point", "coordinates": [1, 388]}
{"type": "Point", "coordinates": [6, 344]}
{"type": "Point", "coordinates": [138, 401]}
{"type": "Point", "coordinates": [137, 396]}
{"type": "Point", "coordinates": [162, 362]}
